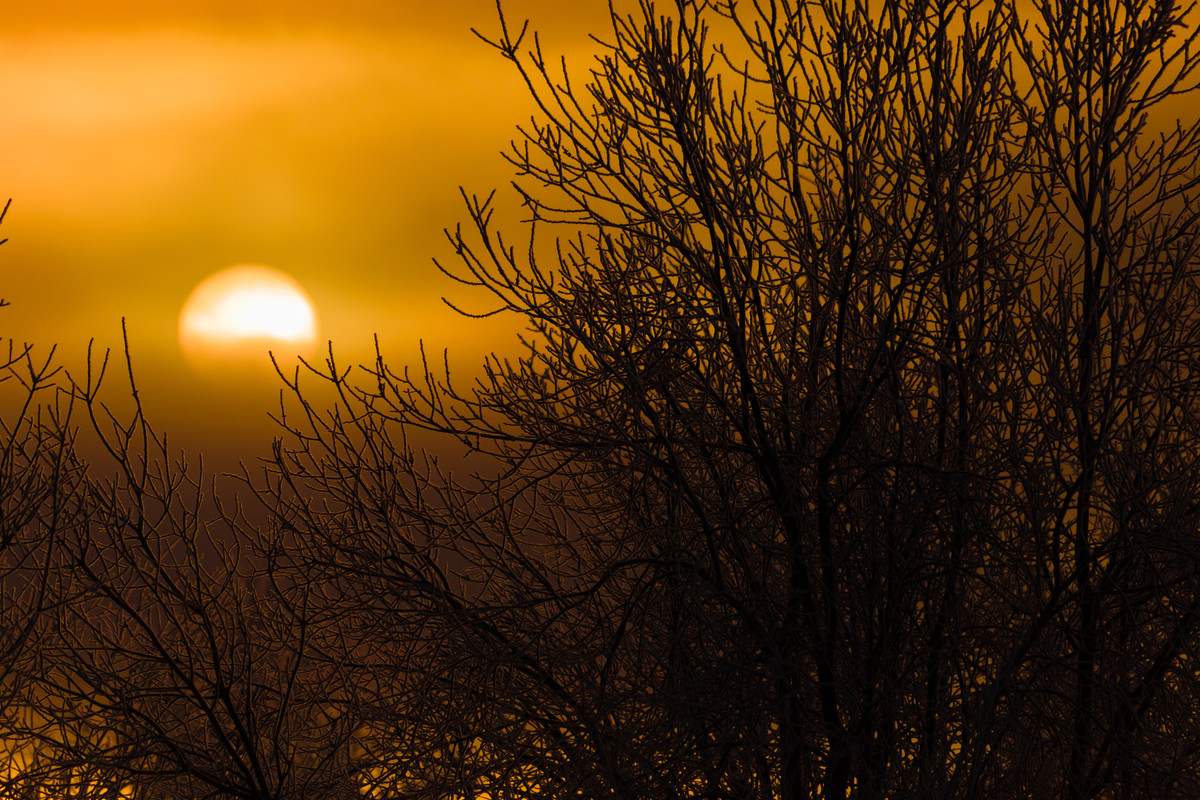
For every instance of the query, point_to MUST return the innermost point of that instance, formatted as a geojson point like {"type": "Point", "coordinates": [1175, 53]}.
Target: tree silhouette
{"type": "Point", "coordinates": [169, 663]}
{"type": "Point", "coordinates": [852, 448]}
{"type": "Point", "coordinates": [37, 489]}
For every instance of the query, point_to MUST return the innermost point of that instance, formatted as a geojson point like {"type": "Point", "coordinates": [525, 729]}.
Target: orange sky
{"type": "Point", "coordinates": [146, 147]}
{"type": "Point", "coordinates": [149, 144]}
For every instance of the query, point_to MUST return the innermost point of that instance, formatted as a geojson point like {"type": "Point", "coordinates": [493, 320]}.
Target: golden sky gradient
{"type": "Point", "coordinates": [147, 145]}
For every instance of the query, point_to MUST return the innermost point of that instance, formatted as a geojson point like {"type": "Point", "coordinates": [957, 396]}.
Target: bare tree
{"type": "Point", "coordinates": [38, 486]}
{"type": "Point", "coordinates": [852, 449]}
{"type": "Point", "coordinates": [169, 663]}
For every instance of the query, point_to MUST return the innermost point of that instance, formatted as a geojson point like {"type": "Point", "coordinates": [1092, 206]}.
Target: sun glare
{"type": "Point", "coordinates": [244, 311]}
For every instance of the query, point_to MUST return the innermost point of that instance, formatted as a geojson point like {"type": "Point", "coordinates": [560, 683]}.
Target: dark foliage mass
{"type": "Point", "coordinates": [852, 452]}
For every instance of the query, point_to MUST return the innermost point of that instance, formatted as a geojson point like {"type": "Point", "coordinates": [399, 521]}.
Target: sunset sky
{"type": "Point", "coordinates": [148, 145]}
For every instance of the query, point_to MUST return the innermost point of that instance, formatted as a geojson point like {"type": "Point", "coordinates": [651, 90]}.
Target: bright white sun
{"type": "Point", "coordinates": [244, 311]}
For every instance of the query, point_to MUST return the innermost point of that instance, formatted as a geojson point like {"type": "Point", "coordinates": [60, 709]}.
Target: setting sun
{"type": "Point", "coordinates": [244, 310]}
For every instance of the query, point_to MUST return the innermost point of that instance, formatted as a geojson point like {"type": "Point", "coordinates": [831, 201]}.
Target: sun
{"type": "Point", "coordinates": [241, 312]}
